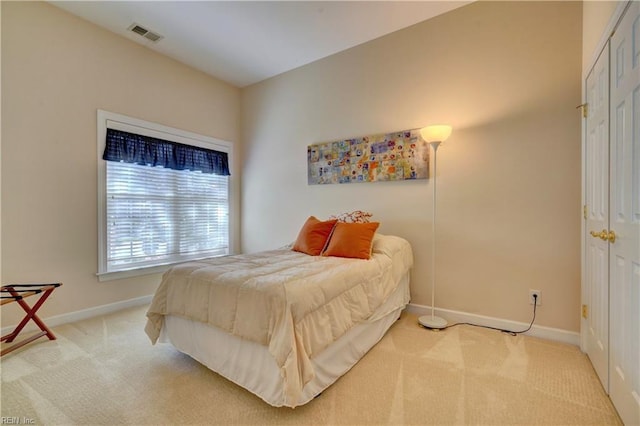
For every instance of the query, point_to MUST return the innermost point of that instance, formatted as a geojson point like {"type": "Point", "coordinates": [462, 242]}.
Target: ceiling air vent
{"type": "Point", "coordinates": [145, 32]}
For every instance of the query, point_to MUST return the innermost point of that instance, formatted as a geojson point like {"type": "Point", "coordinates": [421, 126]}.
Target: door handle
{"type": "Point", "coordinates": [604, 235]}
{"type": "Point", "coordinates": [611, 236]}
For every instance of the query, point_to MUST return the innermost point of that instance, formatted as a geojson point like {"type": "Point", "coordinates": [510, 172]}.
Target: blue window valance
{"type": "Point", "coordinates": [147, 151]}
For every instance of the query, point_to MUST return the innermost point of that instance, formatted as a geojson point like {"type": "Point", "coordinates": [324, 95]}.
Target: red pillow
{"type": "Point", "coordinates": [352, 240]}
{"type": "Point", "coordinates": [313, 236]}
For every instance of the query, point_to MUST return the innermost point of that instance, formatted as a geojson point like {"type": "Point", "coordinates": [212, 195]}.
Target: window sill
{"type": "Point", "coordinates": [148, 270]}
{"type": "Point", "coordinates": [112, 276]}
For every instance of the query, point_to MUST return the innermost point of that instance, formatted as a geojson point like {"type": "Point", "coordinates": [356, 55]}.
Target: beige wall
{"type": "Point", "coordinates": [0, 150]}
{"type": "Point", "coordinates": [508, 184]}
{"type": "Point", "coordinates": [506, 76]}
{"type": "Point", "coordinates": [57, 70]}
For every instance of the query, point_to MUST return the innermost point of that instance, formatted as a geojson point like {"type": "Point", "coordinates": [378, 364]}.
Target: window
{"type": "Point", "coordinates": [156, 208]}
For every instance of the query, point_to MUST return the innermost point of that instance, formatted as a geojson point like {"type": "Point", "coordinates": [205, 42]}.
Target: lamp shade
{"type": "Point", "coordinates": [437, 133]}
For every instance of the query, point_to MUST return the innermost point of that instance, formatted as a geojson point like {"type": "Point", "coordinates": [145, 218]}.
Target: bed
{"type": "Point", "coordinates": [282, 324]}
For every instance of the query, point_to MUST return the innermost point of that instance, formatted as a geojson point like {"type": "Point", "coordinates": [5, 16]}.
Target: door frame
{"type": "Point", "coordinates": [606, 35]}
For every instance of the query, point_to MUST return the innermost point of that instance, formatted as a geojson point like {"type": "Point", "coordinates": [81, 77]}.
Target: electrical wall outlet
{"type": "Point", "coordinates": [537, 300]}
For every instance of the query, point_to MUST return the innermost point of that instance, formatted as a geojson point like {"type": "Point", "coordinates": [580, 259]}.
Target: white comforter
{"type": "Point", "coordinates": [294, 304]}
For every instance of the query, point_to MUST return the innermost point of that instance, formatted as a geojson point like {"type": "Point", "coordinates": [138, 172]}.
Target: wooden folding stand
{"type": "Point", "coordinates": [17, 293]}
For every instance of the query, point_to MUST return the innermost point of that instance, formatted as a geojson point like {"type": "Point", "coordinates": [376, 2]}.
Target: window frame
{"type": "Point", "coordinates": [121, 122]}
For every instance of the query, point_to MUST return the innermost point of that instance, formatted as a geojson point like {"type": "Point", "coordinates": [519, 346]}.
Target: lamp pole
{"type": "Point", "coordinates": [433, 321]}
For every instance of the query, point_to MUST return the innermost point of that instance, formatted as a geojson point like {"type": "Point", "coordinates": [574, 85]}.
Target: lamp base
{"type": "Point", "coordinates": [429, 321]}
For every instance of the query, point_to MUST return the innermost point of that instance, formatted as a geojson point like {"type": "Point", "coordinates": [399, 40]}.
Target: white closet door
{"type": "Point", "coordinates": [597, 200]}
{"type": "Point", "coordinates": [624, 218]}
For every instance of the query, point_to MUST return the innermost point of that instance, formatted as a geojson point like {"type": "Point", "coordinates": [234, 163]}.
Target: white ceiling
{"type": "Point", "coordinates": [243, 42]}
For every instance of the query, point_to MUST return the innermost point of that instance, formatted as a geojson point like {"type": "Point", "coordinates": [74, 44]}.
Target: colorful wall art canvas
{"type": "Point", "coordinates": [384, 157]}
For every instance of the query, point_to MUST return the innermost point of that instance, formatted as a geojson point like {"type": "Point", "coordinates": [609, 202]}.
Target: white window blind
{"type": "Point", "coordinates": [157, 216]}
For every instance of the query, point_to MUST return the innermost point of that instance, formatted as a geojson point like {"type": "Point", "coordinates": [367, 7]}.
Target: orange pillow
{"type": "Point", "coordinates": [313, 236]}
{"type": "Point", "coordinates": [351, 240]}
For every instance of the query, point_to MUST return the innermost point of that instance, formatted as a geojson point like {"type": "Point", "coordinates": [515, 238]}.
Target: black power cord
{"type": "Point", "coordinates": [511, 332]}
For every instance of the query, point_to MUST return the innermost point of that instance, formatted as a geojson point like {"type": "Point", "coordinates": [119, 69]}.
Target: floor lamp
{"type": "Point", "coordinates": [434, 135]}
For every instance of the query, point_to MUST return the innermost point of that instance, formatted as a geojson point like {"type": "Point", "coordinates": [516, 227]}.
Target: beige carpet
{"type": "Point", "coordinates": [105, 371]}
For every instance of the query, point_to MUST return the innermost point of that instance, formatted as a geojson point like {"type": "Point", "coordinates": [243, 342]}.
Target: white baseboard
{"type": "Point", "coordinates": [84, 314]}
{"type": "Point", "coordinates": [550, 333]}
